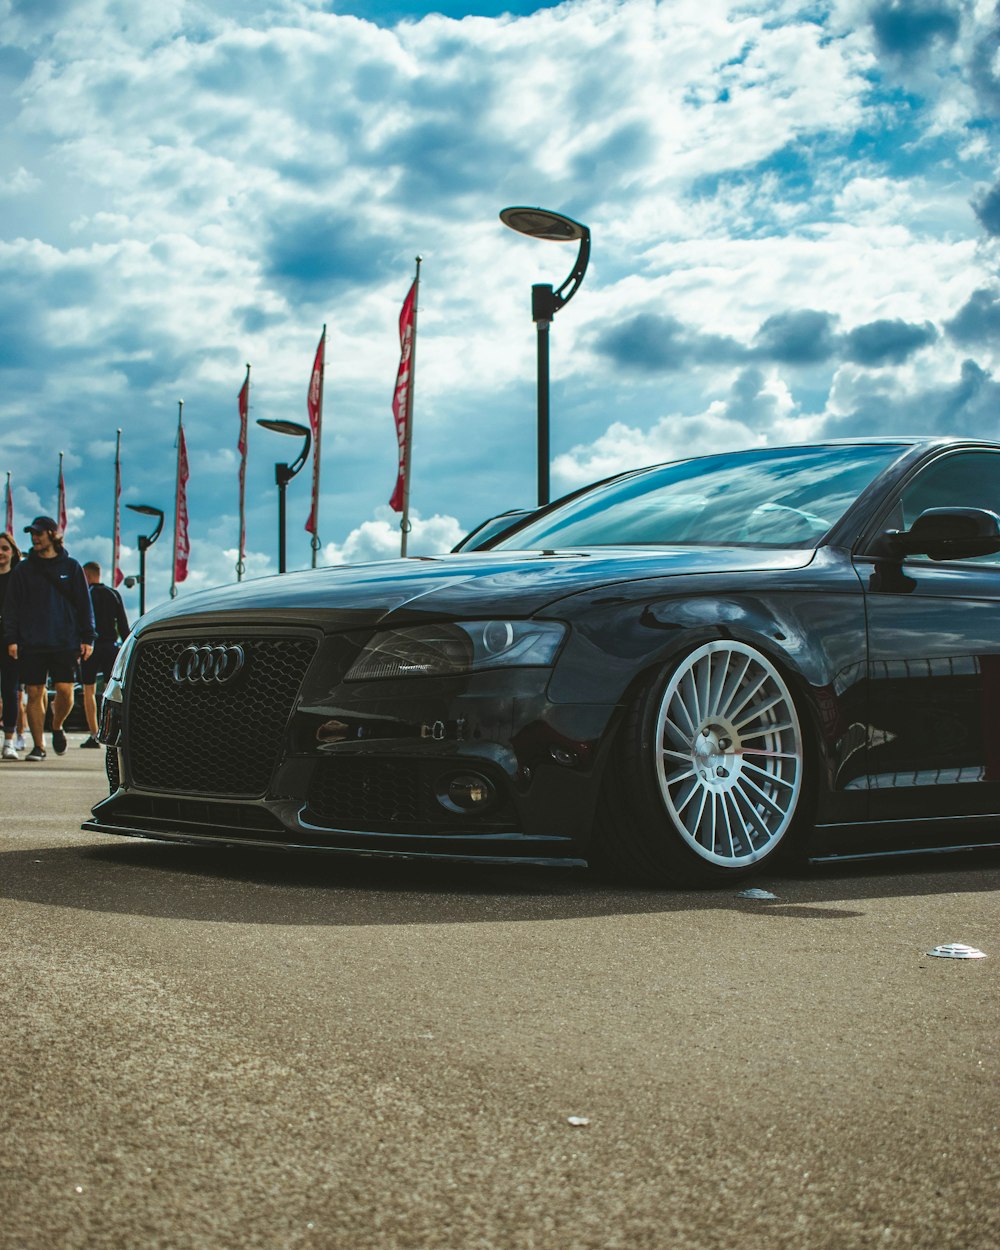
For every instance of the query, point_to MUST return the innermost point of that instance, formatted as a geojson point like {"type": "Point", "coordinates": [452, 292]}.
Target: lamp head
{"type": "Point", "coordinates": [284, 427]}
{"type": "Point", "coordinates": [542, 223]}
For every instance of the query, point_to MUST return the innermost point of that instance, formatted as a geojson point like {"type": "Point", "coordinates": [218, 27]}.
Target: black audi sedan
{"type": "Point", "coordinates": [681, 672]}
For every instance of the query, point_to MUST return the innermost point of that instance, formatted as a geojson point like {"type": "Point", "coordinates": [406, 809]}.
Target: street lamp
{"type": "Point", "coordinates": [540, 223]}
{"type": "Point", "coordinates": [283, 473]}
{"type": "Point", "coordinates": [145, 542]}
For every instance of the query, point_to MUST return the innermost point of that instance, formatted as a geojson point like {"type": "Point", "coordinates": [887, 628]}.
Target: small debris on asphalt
{"type": "Point", "coordinates": [578, 1121]}
{"type": "Point", "coordinates": [754, 892]}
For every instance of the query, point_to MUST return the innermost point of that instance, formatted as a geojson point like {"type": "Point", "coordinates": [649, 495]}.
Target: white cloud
{"type": "Point", "coordinates": [20, 182]}
{"type": "Point", "coordinates": [759, 409]}
{"type": "Point", "coordinates": [379, 538]}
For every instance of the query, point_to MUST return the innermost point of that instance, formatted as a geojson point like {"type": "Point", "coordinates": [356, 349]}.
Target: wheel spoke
{"type": "Point", "coordinates": [749, 694]}
{"type": "Point", "coordinates": [765, 798]}
{"type": "Point", "coordinates": [753, 815]}
{"type": "Point", "coordinates": [714, 819]}
{"type": "Point", "coordinates": [695, 826]}
{"type": "Point", "coordinates": [692, 790]}
{"type": "Point", "coordinates": [680, 707]}
{"type": "Point", "coordinates": [688, 696]}
{"type": "Point", "coordinates": [768, 729]}
{"type": "Point", "coordinates": [678, 735]}
{"type": "Point", "coordinates": [733, 688]}
{"type": "Point", "coordinates": [775, 777]}
{"type": "Point", "coordinates": [759, 711]}
{"type": "Point", "coordinates": [704, 683]}
{"type": "Point", "coordinates": [734, 806]}
{"type": "Point", "coordinates": [718, 683]}
{"type": "Point", "coordinates": [723, 803]}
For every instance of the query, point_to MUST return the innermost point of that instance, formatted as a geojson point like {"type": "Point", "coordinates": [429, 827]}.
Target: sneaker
{"type": "Point", "coordinates": [34, 755]}
{"type": "Point", "coordinates": [91, 744]}
{"type": "Point", "coordinates": [58, 741]}
{"type": "Point", "coordinates": [8, 751]}
{"type": "Point", "coordinates": [19, 742]}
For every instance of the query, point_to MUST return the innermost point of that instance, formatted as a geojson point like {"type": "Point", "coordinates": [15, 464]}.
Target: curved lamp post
{"type": "Point", "coordinates": [283, 473]}
{"type": "Point", "coordinates": [145, 542]}
{"type": "Point", "coordinates": [541, 223]}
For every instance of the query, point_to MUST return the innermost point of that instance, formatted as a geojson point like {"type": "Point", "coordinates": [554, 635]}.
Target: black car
{"type": "Point", "coordinates": [679, 672]}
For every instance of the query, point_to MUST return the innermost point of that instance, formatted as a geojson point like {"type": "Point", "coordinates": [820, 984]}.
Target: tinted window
{"type": "Point", "coordinates": [786, 497]}
{"type": "Point", "coordinates": [968, 479]}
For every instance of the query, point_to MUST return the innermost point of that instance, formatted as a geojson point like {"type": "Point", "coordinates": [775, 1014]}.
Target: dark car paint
{"type": "Point", "coordinates": [547, 736]}
{"type": "Point", "coordinates": [453, 586]}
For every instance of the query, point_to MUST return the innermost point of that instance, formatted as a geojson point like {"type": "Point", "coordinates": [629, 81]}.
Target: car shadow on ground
{"type": "Point", "coordinates": [249, 886]}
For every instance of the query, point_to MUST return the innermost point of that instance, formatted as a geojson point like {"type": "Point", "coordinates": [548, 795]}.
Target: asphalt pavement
{"type": "Point", "coordinates": [205, 1050]}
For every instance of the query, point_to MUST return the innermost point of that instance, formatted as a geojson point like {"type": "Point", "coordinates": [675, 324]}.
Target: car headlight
{"type": "Point", "coordinates": [456, 647]}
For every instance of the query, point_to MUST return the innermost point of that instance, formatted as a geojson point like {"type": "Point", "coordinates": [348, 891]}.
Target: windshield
{"type": "Point", "coordinates": [785, 497]}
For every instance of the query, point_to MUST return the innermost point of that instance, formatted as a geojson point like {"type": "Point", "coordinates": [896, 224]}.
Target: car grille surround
{"type": "Point", "coordinates": [209, 737]}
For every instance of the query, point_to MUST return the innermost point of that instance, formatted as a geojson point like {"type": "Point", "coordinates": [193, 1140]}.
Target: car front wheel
{"type": "Point", "coordinates": [710, 768]}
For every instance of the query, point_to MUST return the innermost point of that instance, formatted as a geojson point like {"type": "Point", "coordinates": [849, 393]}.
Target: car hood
{"type": "Point", "coordinates": [517, 583]}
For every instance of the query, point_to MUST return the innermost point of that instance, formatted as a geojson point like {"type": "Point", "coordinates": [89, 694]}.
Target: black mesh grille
{"type": "Point", "coordinates": [206, 738]}
{"type": "Point", "coordinates": [111, 768]}
{"type": "Point", "coordinates": [392, 796]}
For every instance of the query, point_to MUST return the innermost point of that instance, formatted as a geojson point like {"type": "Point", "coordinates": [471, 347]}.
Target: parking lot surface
{"type": "Point", "coordinates": [206, 1049]}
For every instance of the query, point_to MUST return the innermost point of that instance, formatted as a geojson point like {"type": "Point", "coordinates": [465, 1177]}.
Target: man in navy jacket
{"type": "Point", "coordinates": [48, 627]}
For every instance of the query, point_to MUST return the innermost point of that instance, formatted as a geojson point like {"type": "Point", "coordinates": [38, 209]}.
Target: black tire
{"type": "Point", "coordinates": [708, 776]}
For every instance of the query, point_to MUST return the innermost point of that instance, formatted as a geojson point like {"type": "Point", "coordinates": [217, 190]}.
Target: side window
{"type": "Point", "coordinates": [968, 479]}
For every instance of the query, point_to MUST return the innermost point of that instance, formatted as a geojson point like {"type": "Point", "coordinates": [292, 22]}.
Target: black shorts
{"type": "Point", "coordinates": [34, 667]}
{"type": "Point", "coordinates": [101, 662]}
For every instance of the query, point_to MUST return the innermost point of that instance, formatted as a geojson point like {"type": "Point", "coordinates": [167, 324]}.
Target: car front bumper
{"type": "Point", "coordinates": [361, 768]}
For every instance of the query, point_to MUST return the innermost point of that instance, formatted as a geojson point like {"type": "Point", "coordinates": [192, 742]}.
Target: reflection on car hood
{"type": "Point", "coordinates": [474, 584]}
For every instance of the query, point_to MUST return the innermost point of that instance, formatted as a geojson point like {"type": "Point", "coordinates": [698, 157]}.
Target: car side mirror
{"type": "Point", "coordinates": [945, 534]}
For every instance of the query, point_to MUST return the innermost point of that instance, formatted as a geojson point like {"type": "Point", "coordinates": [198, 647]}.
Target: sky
{"type": "Point", "coordinates": [794, 208]}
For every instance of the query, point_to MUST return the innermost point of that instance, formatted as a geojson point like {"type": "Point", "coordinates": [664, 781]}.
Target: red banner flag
{"type": "Point", "coordinates": [61, 518]}
{"type": "Point", "coordinates": [9, 519]}
{"type": "Point", "coordinates": [314, 405]}
{"type": "Point", "coordinates": [244, 408]}
{"type": "Point", "coordinates": [182, 545]}
{"type": "Point", "coordinates": [401, 397]}
{"type": "Point", "coordinates": [116, 548]}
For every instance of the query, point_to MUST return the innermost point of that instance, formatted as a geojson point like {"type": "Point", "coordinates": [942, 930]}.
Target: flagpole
{"type": "Point", "coordinates": [9, 509]}
{"type": "Point", "coordinates": [177, 500]}
{"type": "Point", "coordinates": [404, 524]}
{"type": "Point", "coordinates": [61, 492]}
{"type": "Point", "coordinates": [314, 542]}
{"type": "Point", "coordinates": [116, 526]}
{"type": "Point", "coordinates": [244, 424]}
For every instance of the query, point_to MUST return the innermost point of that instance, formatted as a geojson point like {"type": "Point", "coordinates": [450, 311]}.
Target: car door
{"type": "Point", "coordinates": [934, 657]}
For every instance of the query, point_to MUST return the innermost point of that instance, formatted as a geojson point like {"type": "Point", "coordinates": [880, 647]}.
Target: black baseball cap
{"type": "Point", "coordinates": [40, 524]}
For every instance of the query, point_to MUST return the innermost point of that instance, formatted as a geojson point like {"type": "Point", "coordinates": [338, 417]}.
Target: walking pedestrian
{"type": "Point", "coordinates": [48, 626]}
{"type": "Point", "coordinates": [10, 694]}
{"type": "Point", "coordinates": [111, 623]}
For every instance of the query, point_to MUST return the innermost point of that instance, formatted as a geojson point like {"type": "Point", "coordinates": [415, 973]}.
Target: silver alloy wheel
{"type": "Point", "coordinates": [729, 753]}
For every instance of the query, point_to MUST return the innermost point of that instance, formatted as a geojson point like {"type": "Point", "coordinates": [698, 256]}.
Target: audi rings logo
{"type": "Point", "coordinates": [209, 665]}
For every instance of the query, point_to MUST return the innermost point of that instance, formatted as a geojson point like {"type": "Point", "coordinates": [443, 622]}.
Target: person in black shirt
{"type": "Point", "coordinates": [112, 626]}
{"type": "Point", "coordinates": [48, 626]}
